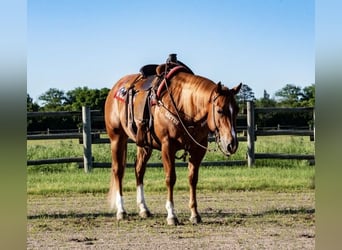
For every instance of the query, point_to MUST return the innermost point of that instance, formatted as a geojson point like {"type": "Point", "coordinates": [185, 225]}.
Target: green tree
{"type": "Point", "coordinates": [83, 96]}
{"type": "Point", "coordinates": [289, 95]}
{"type": "Point", "coordinates": [30, 105]}
{"type": "Point", "coordinates": [245, 94]}
{"type": "Point", "coordinates": [308, 96]}
{"type": "Point", "coordinates": [53, 100]}
{"type": "Point", "coordinates": [265, 101]}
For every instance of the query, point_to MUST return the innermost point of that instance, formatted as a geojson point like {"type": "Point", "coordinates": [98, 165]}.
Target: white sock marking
{"type": "Point", "coordinates": [170, 210]}
{"type": "Point", "coordinates": [141, 198]}
{"type": "Point", "coordinates": [119, 203]}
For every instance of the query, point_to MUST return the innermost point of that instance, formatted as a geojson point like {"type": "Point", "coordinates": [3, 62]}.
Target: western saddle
{"type": "Point", "coordinates": [146, 90]}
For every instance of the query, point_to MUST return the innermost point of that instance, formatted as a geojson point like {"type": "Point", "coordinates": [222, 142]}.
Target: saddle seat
{"type": "Point", "coordinates": [148, 70]}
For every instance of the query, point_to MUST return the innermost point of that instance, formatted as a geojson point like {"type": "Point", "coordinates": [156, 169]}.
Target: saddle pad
{"type": "Point", "coordinates": [121, 94]}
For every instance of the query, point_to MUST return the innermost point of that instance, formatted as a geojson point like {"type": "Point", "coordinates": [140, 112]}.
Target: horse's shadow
{"type": "Point", "coordinates": [208, 217]}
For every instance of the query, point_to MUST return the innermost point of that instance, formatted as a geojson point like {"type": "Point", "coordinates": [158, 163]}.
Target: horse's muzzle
{"type": "Point", "coordinates": [229, 147]}
{"type": "Point", "coordinates": [232, 148]}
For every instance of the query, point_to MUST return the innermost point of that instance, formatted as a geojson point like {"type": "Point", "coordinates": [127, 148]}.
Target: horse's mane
{"type": "Point", "coordinates": [192, 93]}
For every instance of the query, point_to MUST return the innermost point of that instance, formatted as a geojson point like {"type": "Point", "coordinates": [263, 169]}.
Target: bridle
{"type": "Point", "coordinates": [216, 131]}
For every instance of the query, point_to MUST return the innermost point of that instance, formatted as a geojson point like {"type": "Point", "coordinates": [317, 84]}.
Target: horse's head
{"type": "Point", "coordinates": [222, 117]}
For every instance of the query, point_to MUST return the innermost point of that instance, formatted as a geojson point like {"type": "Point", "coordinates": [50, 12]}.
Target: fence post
{"type": "Point", "coordinates": [250, 133]}
{"type": "Point", "coordinates": [87, 154]}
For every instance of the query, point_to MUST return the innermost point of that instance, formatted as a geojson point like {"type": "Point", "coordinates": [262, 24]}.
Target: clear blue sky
{"type": "Point", "coordinates": [265, 44]}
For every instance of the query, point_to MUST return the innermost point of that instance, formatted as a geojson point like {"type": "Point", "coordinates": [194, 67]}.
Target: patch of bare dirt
{"type": "Point", "coordinates": [233, 220]}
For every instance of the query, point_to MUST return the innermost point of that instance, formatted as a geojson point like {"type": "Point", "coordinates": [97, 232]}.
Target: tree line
{"type": "Point", "coordinates": [58, 100]}
{"type": "Point", "coordinates": [289, 96]}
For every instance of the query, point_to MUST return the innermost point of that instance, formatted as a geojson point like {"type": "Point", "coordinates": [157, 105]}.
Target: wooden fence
{"type": "Point", "coordinates": [87, 138]}
{"type": "Point", "coordinates": [253, 133]}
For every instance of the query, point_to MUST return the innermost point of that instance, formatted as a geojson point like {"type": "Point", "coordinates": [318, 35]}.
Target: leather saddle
{"type": "Point", "coordinates": [143, 93]}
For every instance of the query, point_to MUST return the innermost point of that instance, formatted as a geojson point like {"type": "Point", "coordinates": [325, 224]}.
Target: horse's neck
{"type": "Point", "coordinates": [193, 99]}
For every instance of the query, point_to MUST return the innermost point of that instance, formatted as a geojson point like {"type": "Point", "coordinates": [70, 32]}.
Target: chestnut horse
{"type": "Point", "coordinates": [182, 117]}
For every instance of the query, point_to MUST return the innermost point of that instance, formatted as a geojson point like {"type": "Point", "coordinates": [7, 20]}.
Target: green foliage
{"type": "Point", "coordinates": [308, 96]}
{"type": "Point", "coordinates": [290, 96]}
{"type": "Point", "coordinates": [265, 101]}
{"type": "Point", "coordinates": [53, 100]}
{"type": "Point", "coordinates": [93, 98]}
{"type": "Point", "coordinates": [245, 94]}
{"type": "Point", "coordinates": [30, 105]}
{"type": "Point", "coordinates": [56, 100]}
{"type": "Point", "coordinates": [294, 96]}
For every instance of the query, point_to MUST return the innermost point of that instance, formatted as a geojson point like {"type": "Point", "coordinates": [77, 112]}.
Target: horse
{"type": "Point", "coordinates": [181, 117]}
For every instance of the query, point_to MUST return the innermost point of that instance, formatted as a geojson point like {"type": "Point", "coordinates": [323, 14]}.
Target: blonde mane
{"type": "Point", "coordinates": [192, 94]}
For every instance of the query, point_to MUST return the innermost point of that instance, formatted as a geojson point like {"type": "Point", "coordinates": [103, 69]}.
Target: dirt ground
{"type": "Point", "coordinates": [233, 220]}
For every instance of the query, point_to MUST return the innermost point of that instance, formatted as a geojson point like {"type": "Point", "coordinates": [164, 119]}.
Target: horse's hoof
{"type": "Point", "coordinates": [195, 219]}
{"type": "Point", "coordinates": [121, 216]}
{"type": "Point", "coordinates": [145, 214]}
{"type": "Point", "coordinates": [172, 221]}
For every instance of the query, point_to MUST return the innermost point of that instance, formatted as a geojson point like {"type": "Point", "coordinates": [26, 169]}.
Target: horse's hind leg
{"type": "Point", "coordinates": [140, 166]}
{"type": "Point", "coordinates": [119, 151]}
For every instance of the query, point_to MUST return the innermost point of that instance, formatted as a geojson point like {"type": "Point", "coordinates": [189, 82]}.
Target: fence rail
{"type": "Point", "coordinates": [87, 138]}
{"type": "Point", "coordinates": [55, 136]}
{"type": "Point", "coordinates": [55, 160]}
{"type": "Point", "coordinates": [253, 133]}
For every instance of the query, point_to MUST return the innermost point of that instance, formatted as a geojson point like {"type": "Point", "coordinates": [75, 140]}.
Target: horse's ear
{"type": "Point", "coordinates": [219, 88]}
{"type": "Point", "coordinates": [236, 89]}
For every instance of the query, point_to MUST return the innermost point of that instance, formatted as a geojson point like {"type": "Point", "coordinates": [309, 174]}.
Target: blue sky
{"type": "Point", "coordinates": [265, 44]}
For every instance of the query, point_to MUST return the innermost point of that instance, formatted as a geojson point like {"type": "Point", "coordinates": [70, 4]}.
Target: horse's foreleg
{"type": "Point", "coordinates": [194, 163]}
{"type": "Point", "coordinates": [168, 157]}
{"type": "Point", "coordinates": [140, 166]}
{"type": "Point", "coordinates": [118, 149]}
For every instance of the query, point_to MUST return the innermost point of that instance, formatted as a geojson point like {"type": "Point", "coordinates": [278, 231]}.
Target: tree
{"type": "Point", "coordinates": [265, 101]}
{"type": "Point", "coordinates": [94, 98]}
{"type": "Point", "coordinates": [53, 100]}
{"type": "Point", "coordinates": [245, 94]}
{"type": "Point", "coordinates": [30, 105]}
{"type": "Point", "coordinates": [289, 95]}
{"type": "Point", "coordinates": [308, 96]}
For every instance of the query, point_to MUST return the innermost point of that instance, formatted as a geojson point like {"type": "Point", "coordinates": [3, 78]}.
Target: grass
{"type": "Point", "coordinates": [101, 152]}
{"type": "Point", "coordinates": [211, 179]}
{"type": "Point", "coordinates": [275, 175]}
